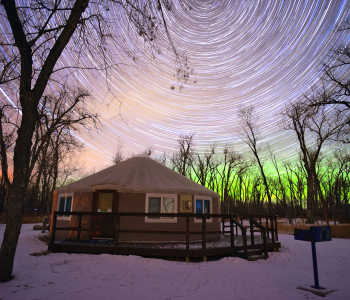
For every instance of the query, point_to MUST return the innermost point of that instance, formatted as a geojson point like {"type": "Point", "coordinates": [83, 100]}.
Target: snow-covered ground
{"type": "Point", "coordinates": [84, 276]}
{"type": "Point", "coordinates": [299, 221]}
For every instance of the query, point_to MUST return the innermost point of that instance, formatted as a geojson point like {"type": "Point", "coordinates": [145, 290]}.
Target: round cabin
{"type": "Point", "coordinates": [137, 185]}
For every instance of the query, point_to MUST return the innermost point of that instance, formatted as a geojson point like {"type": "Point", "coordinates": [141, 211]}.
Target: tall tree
{"type": "Point", "coordinates": [313, 127]}
{"type": "Point", "coordinates": [335, 92]}
{"type": "Point", "coordinates": [281, 189]}
{"type": "Point", "coordinates": [251, 138]}
{"type": "Point", "coordinates": [231, 162]}
{"type": "Point", "coordinates": [182, 159]}
{"type": "Point", "coordinates": [203, 166]}
{"type": "Point", "coordinates": [34, 36]}
{"type": "Point", "coordinates": [119, 156]}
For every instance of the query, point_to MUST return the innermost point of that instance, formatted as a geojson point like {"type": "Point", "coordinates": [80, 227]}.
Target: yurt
{"type": "Point", "coordinates": [137, 185]}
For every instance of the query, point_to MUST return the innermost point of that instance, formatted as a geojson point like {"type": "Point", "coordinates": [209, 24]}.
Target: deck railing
{"type": "Point", "coordinates": [234, 224]}
{"type": "Point", "coordinates": [267, 221]}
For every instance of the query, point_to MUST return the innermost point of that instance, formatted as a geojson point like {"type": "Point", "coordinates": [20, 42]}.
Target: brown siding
{"type": "Point", "coordinates": [81, 202]}
{"type": "Point", "coordinates": [132, 202]}
{"type": "Point", "coordinates": [135, 202]}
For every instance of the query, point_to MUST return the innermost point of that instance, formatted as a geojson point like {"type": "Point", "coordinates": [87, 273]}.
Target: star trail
{"type": "Point", "coordinates": [260, 53]}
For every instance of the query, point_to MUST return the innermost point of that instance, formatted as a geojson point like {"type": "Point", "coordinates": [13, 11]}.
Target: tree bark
{"type": "Point", "coordinates": [310, 218]}
{"type": "Point", "coordinates": [12, 231]}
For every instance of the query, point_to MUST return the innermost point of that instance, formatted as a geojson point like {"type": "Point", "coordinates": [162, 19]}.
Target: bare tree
{"type": "Point", "coordinates": [295, 188]}
{"type": "Point", "coordinates": [231, 162]}
{"type": "Point", "coordinates": [251, 138]}
{"type": "Point", "coordinates": [69, 171]}
{"type": "Point", "coordinates": [258, 194]}
{"type": "Point", "coordinates": [313, 127]}
{"type": "Point", "coordinates": [34, 36]}
{"type": "Point", "coordinates": [148, 151]}
{"type": "Point", "coordinates": [244, 187]}
{"type": "Point", "coordinates": [335, 91]}
{"type": "Point", "coordinates": [119, 156]}
{"type": "Point", "coordinates": [182, 159]}
{"type": "Point", "coordinates": [203, 166]}
{"type": "Point", "coordinates": [336, 182]}
{"type": "Point", "coordinates": [281, 189]}
{"type": "Point", "coordinates": [162, 158]}
{"type": "Point", "coordinates": [337, 66]}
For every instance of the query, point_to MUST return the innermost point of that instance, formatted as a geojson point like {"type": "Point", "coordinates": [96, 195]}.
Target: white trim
{"type": "Point", "coordinates": [210, 220]}
{"type": "Point", "coordinates": [147, 220]}
{"type": "Point", "coordinates": [65, 195]}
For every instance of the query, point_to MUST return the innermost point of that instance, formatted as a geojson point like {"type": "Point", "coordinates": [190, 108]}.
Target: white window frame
{"type": "Point", "coordinates": [197, 197]}
{"type": "Point", "coordinates": [65, 195]}
{"type": "Point", "coordinates": [147, 220]}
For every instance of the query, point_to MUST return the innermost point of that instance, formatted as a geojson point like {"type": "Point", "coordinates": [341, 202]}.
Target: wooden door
{"type": "Point", "coordinates": [106, 202]}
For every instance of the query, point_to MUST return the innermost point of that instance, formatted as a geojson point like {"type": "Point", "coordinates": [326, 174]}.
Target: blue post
{"type": "Point", "coordinates": [314, 235]}
{"type": "Point", "coordinates": [314, 260]}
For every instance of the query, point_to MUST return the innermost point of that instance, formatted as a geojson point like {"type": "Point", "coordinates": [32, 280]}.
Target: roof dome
{"type": "Point", "coordinates": [138, 175]}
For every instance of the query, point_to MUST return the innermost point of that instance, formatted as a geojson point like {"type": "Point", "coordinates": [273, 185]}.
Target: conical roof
{"type": "Point", "coordinates": [138, 175]}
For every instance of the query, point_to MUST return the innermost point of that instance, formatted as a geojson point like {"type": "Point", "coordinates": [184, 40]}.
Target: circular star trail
{"type": "Point", "coordinates": [244, 53]}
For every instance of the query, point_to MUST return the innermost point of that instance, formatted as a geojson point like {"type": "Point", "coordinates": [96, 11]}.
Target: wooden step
{"type": "Point", "coordinates": [257, 257]}
{"type": "Point", "coordinates": [253, 252]}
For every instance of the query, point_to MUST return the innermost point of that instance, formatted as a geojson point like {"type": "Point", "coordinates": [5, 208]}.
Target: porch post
{"type": "Point", "coordinates": [204, 231]}
{"type": "Point", "coordinates": [116, 228]}
{"type": "Point", "coordinates": [53, 232]}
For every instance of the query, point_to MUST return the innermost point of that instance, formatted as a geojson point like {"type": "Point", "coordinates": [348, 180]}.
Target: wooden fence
{"type": "Point", "coordinates": [118, 247]}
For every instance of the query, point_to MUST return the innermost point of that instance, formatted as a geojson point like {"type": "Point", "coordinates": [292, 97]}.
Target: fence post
{"type": "Point", "coordinates": [79, 226]}
{"type": "Point", "coordinates": [204, 234]}
{"type": "Point", "coordinates": [116, 228]}
{"type": "Point", "coordinates": [53, 232]}
{"type": "Point", "coordinates": [204, 231]}
{"type": "Point", "coordinates": [223, 225]}
{"type": "Point", "coordinates": [260, 224]}
{"type": "Point", "coordinates": [187, 232]}
{"type": "Point", "coordinates": [245, 249]}
{"type": "Point", "coordinates": [236, 224]}
{"type": "Point", "coordinates": [276, 232]}
{"type": "Point", "coordinates": [267, 226]}
{"type": "Point", "coordinates": [272, 229]}
{"type": "Point", "coordinates": [187, 236]}
{"type": "Point", "coordinates": [265, 241]}
{"type": "Point", "coordinates": [251, 230]}
{"type": "Point", "coordinates": [232, 233]}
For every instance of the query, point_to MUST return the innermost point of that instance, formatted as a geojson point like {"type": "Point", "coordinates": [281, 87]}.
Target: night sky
{"type": "Point", "coordinates": [260, 53]}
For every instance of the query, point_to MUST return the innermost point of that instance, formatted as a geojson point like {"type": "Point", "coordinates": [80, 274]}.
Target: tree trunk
{"type": "Point", "coordinates": [12, 231]}
{"type": "Point", "coordinates": [310, 218]}
{"type": "Point", "coordinates": [17, 191]}
{"type": "Point", "coordinates": [323, 200]}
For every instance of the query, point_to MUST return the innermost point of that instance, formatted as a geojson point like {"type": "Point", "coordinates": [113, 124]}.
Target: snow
{"type": "Point", "coordinates": [299, 221]}
{"type": "Point", "coordinates": [84, 276]}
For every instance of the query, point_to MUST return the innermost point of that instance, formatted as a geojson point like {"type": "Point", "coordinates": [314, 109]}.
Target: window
{"type": "Point", "coordinates": [65, 204]}
{"type": "Point", "coordinates": [105, 202]}
{"type": "Point", "coordinates": [157, 203]}
{"type": "Point", "coordinates": [203, 206]}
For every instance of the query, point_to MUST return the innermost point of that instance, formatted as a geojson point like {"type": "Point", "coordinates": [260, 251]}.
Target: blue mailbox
{"type": "Point", "coordinates": [314, 235]}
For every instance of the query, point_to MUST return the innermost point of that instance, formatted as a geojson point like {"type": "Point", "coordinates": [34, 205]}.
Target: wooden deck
{"type": "Point", "coordinates": [235, 241]}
